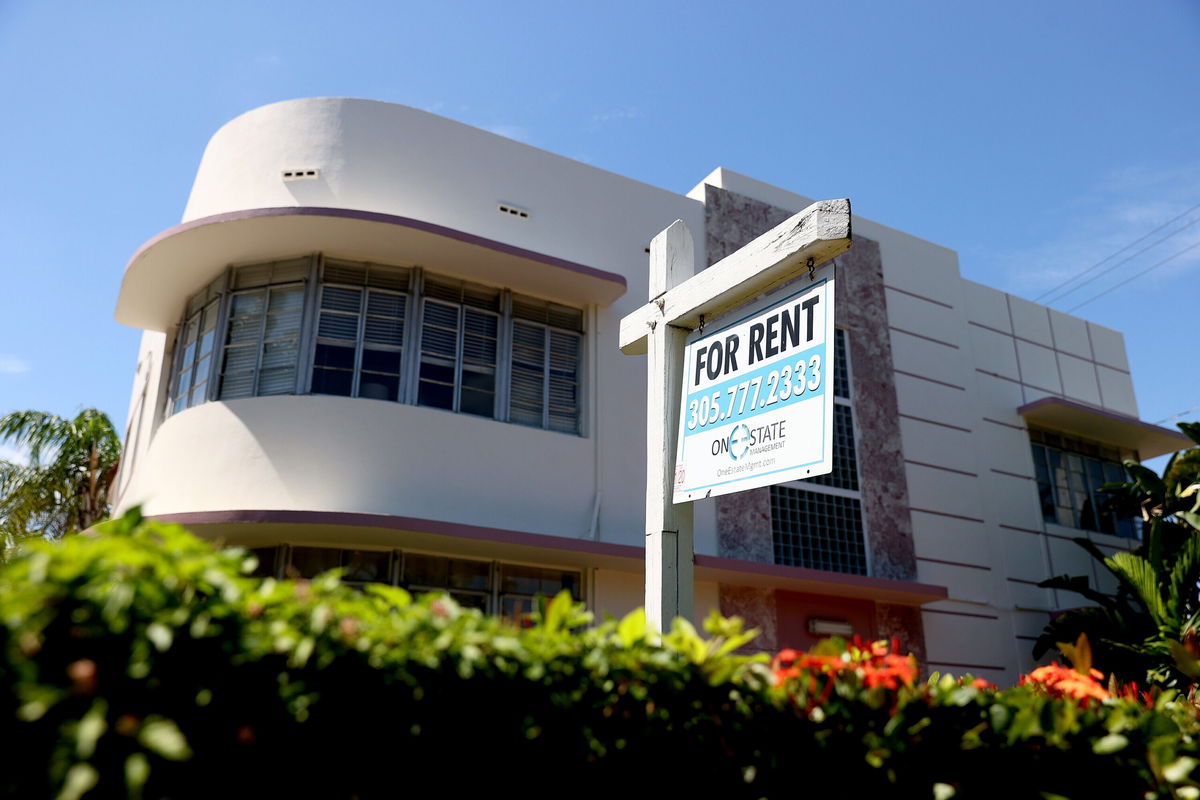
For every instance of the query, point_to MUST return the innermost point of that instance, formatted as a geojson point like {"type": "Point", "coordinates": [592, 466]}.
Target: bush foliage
{"type": "Point", "coordinates": [144, 663]}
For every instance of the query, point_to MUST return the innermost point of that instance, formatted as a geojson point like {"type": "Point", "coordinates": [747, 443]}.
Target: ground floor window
{"type": "Point", "coordinates": [493, 587]}
{"type": "Point", "coordinates": [1069, 475]}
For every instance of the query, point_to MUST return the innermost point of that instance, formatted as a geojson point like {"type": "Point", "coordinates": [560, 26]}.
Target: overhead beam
{"type": "Point", "coordinates": [819, 232]}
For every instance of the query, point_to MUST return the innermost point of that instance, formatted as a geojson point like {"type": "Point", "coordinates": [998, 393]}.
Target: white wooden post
{"type": "Point", "coordinates": [669, 546]}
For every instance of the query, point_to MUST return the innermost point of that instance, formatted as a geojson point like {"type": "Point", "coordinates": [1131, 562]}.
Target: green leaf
{"type": "Point", "coordinates": [91, 728]}
{"type": "Point", "coordinates": [137, 770]}
{"type": "Point", "coordinates": [163, 737]}
{"type": "Point", "coordinates": [1179, 770]}
{"type": "Point", "coordinates": [160, 635]}
{"type": "Point", "coordinates": [80, 780]}
{"type": "Point", "coordinates": [1111, 743]}
{"type": "Point", "coordinates": [943, 791]}
{"type": "Point", "coordinates": [632, 627]}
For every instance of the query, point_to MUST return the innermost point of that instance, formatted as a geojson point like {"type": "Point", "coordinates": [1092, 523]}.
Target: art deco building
{"type": "Point", "coordinates": [385, 341]}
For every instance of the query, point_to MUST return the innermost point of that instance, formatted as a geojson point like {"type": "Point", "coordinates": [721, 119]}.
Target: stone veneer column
{"type": "Point", "coordinates": [744, 519]}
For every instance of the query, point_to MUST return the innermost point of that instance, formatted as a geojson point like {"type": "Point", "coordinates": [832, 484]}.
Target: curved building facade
{"type": "Point", "coordinates": [385, 341]}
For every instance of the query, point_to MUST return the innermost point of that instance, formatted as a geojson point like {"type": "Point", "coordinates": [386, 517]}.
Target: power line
{"type": "Point", "coordinates": [1142, 238]}
{"type": "Point", "coordinates": [1124, 260]}
{"type": "Point", "coordinates": [1177, 416]}
{"type": "Point", "coordinates": [1156, 265]}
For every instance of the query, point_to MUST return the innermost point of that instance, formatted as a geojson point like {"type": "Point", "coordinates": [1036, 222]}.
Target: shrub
{"type": "Point", "coordinates": [144, 663]}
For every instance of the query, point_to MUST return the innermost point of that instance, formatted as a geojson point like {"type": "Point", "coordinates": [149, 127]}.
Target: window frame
{"type": "Point", "coordinates": [1068, 448]}
{"type": "Point", "coordinates": [313, 285]}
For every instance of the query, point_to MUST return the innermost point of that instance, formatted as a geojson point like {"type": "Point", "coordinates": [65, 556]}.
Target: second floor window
{"type": "Point", "coordinates": [332, 327]}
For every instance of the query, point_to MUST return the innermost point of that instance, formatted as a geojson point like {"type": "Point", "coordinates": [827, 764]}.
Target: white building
{"type": "Point", "coordinates": [385, 340]}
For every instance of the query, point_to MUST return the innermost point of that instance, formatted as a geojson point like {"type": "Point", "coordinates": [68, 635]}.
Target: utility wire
{"type": "Point", "coordinates": [1177, 416]}
{"type": "Point", "coordinates": [1156, 265]}
{"type": "Point", "coordinates": [1124, 260]}
{"type": "Point", "coordinates": [1038, 299]}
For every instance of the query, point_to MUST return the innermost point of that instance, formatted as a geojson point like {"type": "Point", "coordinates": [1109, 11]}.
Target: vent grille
{"type": "Point", "coordinates": [301, 174]}
{"type": "Point", "coordinates": [513, 211]}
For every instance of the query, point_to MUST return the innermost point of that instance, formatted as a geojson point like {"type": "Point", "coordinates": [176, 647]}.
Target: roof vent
{"type": "Point", "coordinates": [301, 174]}
{"type": "Point", "coordinates": [515, 211]}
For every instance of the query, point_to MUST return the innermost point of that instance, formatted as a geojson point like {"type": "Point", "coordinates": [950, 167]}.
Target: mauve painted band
{"type": "Point", "coordinates": [504, 536]}
{"type": "Point", "coordinates": [1100, 412]}
{"type": "Point", "coordinates": [387, 219]}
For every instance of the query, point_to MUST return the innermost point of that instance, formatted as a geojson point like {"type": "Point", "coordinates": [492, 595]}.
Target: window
{"type": "Point", "coordinates": [510, 590]}
{"type": "Point", "coordinates": [1069, 475]}
{"type": "Point", "coordinates": [460, 330]}
{"type": "Point", "coordinates": [194, 349]}
{"type": "Point", "coordinates": [262, 346]}
{"type": "Point", "coordinates": [398, 334]}
{"type": "Point", "coordinates": [818, 523]}
{"type": "Point", "coordinates": [360, 331]}
{"type": "Point", "coordinates": [547, 346]}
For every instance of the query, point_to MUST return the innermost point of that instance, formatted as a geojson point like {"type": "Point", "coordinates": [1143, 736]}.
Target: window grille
{"type": "Point", "coordinates": [818, 522]}
{"type": "Point", "coordinates": [818, 531]}
{"type": "Point", "coordinates": [385, 333]}
{"type": "Point", "coordinates": [1069, 475]}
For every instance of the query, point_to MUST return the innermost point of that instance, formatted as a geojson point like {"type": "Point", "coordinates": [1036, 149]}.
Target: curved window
{"type": "Point", "coordinates": [320, 325]}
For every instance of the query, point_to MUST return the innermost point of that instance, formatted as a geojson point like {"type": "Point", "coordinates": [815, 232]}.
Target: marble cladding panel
{"type": "Point", "coordinates": [758, 609]}
{"type": "Point", "coordinates": [730, 222]}
{"type": "Point", "coordinates": [744, 526]}
{"type": "Point", "coordinates": [904, 623]}
{"type": "Point", "coordinates": [862, 310]}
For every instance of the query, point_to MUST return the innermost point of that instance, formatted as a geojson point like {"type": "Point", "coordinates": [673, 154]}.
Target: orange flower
{"type": "Point", "coordinates": [1060, 681]}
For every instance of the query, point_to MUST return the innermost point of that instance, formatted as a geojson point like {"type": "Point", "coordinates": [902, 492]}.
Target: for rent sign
{"type": "Point", "coordinates": [756, 404]}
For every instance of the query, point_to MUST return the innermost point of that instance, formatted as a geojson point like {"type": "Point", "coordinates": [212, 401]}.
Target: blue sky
{"type": "Point", "coordinates": [1035, 138]}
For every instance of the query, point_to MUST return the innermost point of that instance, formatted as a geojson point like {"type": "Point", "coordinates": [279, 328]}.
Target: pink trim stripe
{"type": "Point", "coordinates": [1012, 474]}
{"type": "Point", "coordinates": [1021, 428]}
{"type": "Point", "coordinates": [954, 563]}
{"type": "Point", "coordinates": [935, 422]}
{"type": "Point", "coordinates": [943, 469]}
{"type": "Point", "coordinates": [918, 296]}
{"type": "Point", "coordinates": [931, 380]}
{"type": "Point", "coordinates": [944, 514]}
{"type": "Point", "coordinates": [387, 219]}
{"type": "Point", "coordinates": [922, 336]}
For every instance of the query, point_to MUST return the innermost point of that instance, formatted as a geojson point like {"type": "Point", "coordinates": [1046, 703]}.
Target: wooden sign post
{"type": "Point", "coordinates": [680, 301]}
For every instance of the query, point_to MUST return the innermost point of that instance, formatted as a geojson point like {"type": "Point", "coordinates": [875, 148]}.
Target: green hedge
{"type": "Point", "coordinates": [144, 663]}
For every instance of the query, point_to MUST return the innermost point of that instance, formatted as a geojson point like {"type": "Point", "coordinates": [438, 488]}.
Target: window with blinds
{"type": "Point", "coordinates": [333, 327]}
{"type": "Point", "coordinates": [262, 346]}
{"type": "Point", "coordinates": [546, 354]}
{"type": "Point", "coordinates": [359, 350]}
{"type": "Point", "coordinates": [460, 331]}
